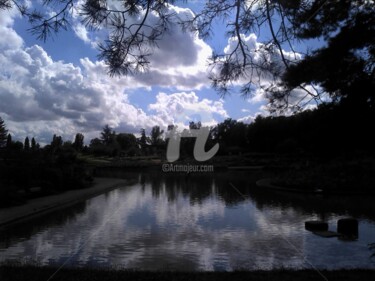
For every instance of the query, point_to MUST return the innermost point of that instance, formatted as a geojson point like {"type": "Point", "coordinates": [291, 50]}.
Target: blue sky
{"type": "Point", "coordinates": [60, 86]}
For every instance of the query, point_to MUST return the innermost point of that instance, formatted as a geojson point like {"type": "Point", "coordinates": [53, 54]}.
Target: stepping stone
{"type": "Point", "coordinates": [348, 227]}
{"type": "Point", "coordinates": [326, 234]}
{"type": "Point", "coordinates": [316, 226]}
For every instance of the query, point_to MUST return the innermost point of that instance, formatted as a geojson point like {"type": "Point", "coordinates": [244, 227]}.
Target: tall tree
{"type": "Point", "coordinates": [107, 135]}
{"type": "Point", "coordinates": [78, 142]}
{"type": "Point", "coordinates": [126, 141]}
{"type": "Point", "coordinates": [3, 133]}
{"type": "Point", "coordinates": [143, 138]}
{"type": "Point", "coordinates": [33, 144]}
{"type": "Point", "coordinates": [26, 145]}
{"type": "Point", "coordinates": [156, 134]}
{"type": "Point", "coordinates": [9, 141]}
{"type": "Point", "coordinates": [57, 141]}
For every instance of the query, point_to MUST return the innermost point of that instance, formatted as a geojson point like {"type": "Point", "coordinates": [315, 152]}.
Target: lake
{"type": "Point", "coordinates": [209, 222]}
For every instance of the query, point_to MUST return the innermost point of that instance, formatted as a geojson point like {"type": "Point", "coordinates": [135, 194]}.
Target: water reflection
{"type": "Point", "coordinates": [196, 222]}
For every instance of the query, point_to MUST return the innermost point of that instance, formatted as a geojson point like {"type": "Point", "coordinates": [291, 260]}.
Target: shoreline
{"type": "Point", "coordinates": [29, 272]}
{"type": "Point", "coordinates": [270, 184]}
{"type": "Point", "coordinates": [43, 205]}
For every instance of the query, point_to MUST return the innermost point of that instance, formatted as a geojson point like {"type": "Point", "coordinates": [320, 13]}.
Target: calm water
{"type": "Point", "coordinates": [200, 222]}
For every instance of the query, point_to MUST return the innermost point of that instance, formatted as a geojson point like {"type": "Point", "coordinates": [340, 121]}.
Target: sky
{"type": "Point", "coordinates": [61, 87]}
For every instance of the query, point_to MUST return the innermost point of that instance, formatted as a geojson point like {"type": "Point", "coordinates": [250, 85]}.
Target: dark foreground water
{"type": "Point", "coordinates": [196, 222]}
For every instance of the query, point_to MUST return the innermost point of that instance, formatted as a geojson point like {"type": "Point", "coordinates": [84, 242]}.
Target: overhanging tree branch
{"type": "Point", "coordinates": [132, 39]}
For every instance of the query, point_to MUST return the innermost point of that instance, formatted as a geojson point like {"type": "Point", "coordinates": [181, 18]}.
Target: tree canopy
{"type": "Point", "coordinates": [78, 141]}
{"type": "Point", "coordinates": [3, 133]}
{"type": "Point", "coordinates": [156, 135]}
{"type": "Point", "coordinates": [341, 70]}
{"type": "Point", "coordinates": [107, 135]}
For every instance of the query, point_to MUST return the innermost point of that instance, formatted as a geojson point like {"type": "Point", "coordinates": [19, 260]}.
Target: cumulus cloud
{"type": "Point", "coordinates": [9, 38]}
{"type": "Point", "coordinates": [38, 89]}
{"type": "Point", "coordinates": [179, 108]}
{"type": "Point", "coordinates": [41, 96]}
{"type": "Point", "coordinates": [180, 59]}
{"type": "Point", "coordinates": [268, 75]}
{"type": "Point", "coordinates": [251, 118]}
{"type": "Point", "coordinates": [247, 119]}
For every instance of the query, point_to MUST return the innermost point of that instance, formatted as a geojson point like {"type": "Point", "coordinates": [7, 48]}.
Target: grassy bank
{"type": "Point", "coordinates": [31, 273]}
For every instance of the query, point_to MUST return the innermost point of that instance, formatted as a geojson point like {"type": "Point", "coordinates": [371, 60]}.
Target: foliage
{"type": "Point", "coordinates": [231, 135]}
{"type": "Point", "coordinates": [107, 135]}
{"type": "Point", "coordinates": [78, 142]}
{"type": "Point", "coordinates": [321, 133]}
{"type": "Point", "coordinates": [3, 133]}
{"type": "Point", "coordinates": [143, 140]}
{"type": "Point", "coordinates": [327, 130]}
{"type": "Point", "coordinates": [345, 67]}
{"type": "Point", "coordinates": [26, 145]}
{"type": "Point", "coordinates": [156, 135]}
{"type": "Point", "coordinates": [128, 144]}
{"type": "Point", "coordinates": [56, 142]}
{"type": "Point", "coordinates": [34, 145]}
{"type": "Point", "coordinates": [54, 168]}
{"type": "Point", "coordinates": [9, 141]}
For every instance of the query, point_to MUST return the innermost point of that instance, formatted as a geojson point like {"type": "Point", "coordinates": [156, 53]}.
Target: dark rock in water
{"type": "Point", "coordinates": [327, 234]}
{"type": "Point", "coordinates": [348, 227]}
{"type": "Point", "coordinates": [316, 226]}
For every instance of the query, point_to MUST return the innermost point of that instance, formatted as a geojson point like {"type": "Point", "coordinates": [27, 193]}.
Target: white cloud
{"type": "Point", "coordinates": [38, 89]}
{"type": "Point", "coordinates": [258, 96]}
{"type": "Point", "coordinates": [81, 31]}
{"type": "Point", "coordinates": [179, 108]}
{"type": "Point", "coordinates": [40, 96]}
{"type": "Point", "coordinates": [9, 39]}
{"type": "Point", "coordinates": [251, 118]}
{"type": "Point", "coordinates": [247, 119]}
{"type": "Point", "coordinates": [179, 61]}
{"type": "Point", "coordinates": [259, 54]}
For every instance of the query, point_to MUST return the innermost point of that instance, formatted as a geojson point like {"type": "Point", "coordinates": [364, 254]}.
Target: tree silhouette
{"type": "Point", "coordinates": [57, 142]}
{"type": "Point", "coordinates": [126, 141]}
{"type": "Point", "coordinates": [345, 66]}
{"type": "Point", "coordinates": [26, 145]}
{"type": "Point", "coordinates": [195, 125]}
{"type": "Point", "coordinates": [78, 142]}
{"type": "Point", "coordinates": [107, 136]}
{"type": "Point", "coordinates": [96, 146]}
{"type": "Point", "coordinates": [231, 135]}
{"type": "Point", "coordinates": [171, 127]}
{"type": "Point", "coordinates": [33, 144]}
{"type": "Point", "coordinates": [9, 141]}
{"type": "Point", "coordinates": [156, 134]}
{"type": "Point", "coordinates": [143, 140]}
{"type": "Point", "coordinates": [3, 133]}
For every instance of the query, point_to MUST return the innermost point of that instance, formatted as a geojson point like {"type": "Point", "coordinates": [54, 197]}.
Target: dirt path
{"type": "Point", "coordinates": [43, 205]}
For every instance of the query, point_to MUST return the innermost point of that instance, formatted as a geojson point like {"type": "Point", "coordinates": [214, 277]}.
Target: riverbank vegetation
{"type": "Point", "coordinates": [325, 148]}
